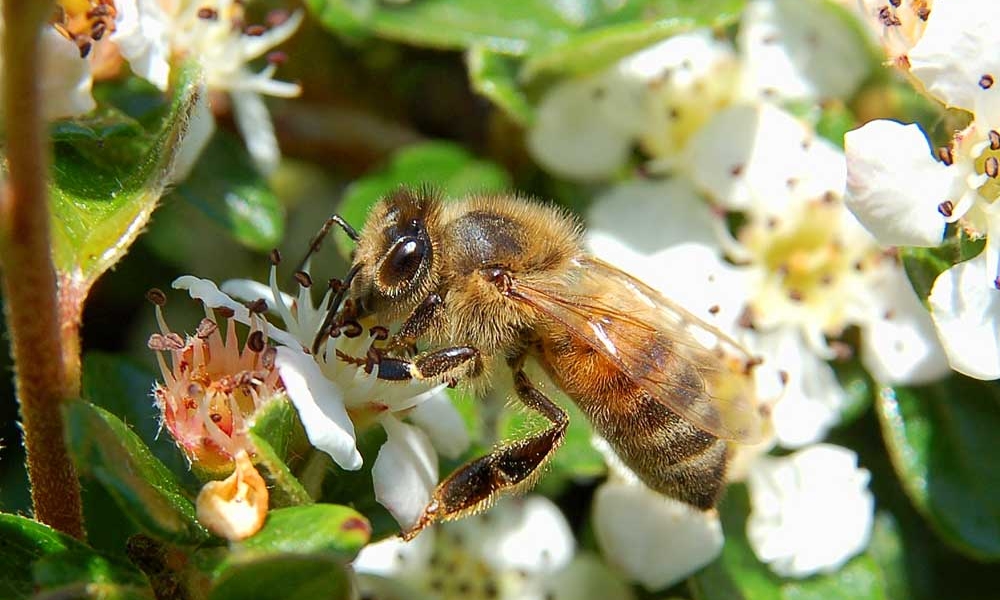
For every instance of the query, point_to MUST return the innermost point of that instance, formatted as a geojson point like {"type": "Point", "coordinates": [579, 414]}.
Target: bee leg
{"type": "Point", "coordinates": [511, 468]}
{"type": "Point", "coordinates": [446, 364]}
{"type": "Point", "coordinates": [418, 323]}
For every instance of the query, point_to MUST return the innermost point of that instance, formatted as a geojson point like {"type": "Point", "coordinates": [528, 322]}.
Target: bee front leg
{"type": "Point", "coordinates": [510, 468]}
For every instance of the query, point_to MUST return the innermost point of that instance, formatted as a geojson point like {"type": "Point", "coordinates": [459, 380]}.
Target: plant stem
{"type": "Point", "coordinates": [29, 278]}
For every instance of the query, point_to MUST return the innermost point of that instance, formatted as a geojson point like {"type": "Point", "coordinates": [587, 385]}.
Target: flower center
{"type": "Point", "coordinates": [85, 21]}
{"type": "Point", "coordinates": [455, 572]}
{"type": "Point", "coordinates": [988, 163]}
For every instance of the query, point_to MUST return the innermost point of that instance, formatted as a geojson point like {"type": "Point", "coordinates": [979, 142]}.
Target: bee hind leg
{"type": "Point", "coordinates": [510, 468]}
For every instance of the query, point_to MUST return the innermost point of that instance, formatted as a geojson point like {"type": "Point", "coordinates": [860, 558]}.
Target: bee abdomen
{"type": "Point", "coordinates": [667, 453]}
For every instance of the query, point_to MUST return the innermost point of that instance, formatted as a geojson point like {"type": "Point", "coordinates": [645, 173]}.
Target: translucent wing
{"type": "Point", "coordinates": [684, 363]}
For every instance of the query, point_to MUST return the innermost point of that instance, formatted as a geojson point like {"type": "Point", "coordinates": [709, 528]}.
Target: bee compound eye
{"type": "Point", "coordinates": [402, 261]}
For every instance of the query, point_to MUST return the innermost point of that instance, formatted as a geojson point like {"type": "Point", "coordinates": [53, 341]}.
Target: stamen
{"type": "Point", "coordinates": [946, 155]}
{"type": "Point", "coordinates": [208, 13]}
{"type": "Point", "coordinates": [992, 166]}
{"type": "Point", "coordinates": [206, 328]}
{"type": "Point", "coordinates": [994, 140]}
{"type": "Point", "coordinates": [274, 256]}
{"type": "Point", "coordinates": [255, 30]}
{"type": "Point", "coordinates": [986, 81]}
{"type": "Point", "coordinates": [258, 306]}
{"type": "Point", "coordinates": [303, 278]}
{"type": "Point", "coordinates": [946, 208]}
{"type": "Point", "coordinates": [256, 341]}
{"type": "Point", "coordinates": [156, 296]}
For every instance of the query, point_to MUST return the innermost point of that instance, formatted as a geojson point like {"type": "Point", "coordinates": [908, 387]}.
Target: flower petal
{"type": "Point", "coordinates": [438, 417]}
{"type": "Point", "coordinates": [199, 132]}
{"type": "Point", "coordinates": [65, 78]}
{"type": "Point", "coordinates": [967, 316]}
{"type": "Point", "coordinates": [524, 534]}
{"type": "Point", "coordinates": [405, 472]}
{"type": "Point", "coordinates": [392, 557]}
{"type": "Point", "coordinates": [959, 46]}
{"type": "Point", "coordinates": [900, 345]}
{"type": "Point", "coordinates": [572, 138]}
{"type": "Point", "coordinates": [320, 406]}
{"type": "Point", "coordinates": [142, 35]}
{"type": "Point", "coordinates": [650, 215]}
{"type": "Point", "coordinates": [799, 49]}
{"type": "Point", "coordinates": [655, 540]}
{"type": "Point", "coordinates": [254, 122]}
{"type": "Point", "coordinates": [811, 511]}
{"type": "Point", "coordinates": [894, 185]}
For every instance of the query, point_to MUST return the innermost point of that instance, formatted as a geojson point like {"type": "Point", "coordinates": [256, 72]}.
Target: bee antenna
{"type": "Point", "coordinates": [317, 240]}
{"type": "Point", "coordinates": [331, 311]}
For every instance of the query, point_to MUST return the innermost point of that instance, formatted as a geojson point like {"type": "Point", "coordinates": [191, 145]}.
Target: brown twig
{"type": "Point", "coordinates": [29, 278]}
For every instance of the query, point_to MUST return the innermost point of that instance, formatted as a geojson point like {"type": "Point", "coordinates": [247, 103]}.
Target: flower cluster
{"type": "Point", "coordinates": [89, 38]}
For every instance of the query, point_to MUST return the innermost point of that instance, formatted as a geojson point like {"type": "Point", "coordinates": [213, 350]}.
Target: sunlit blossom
{"type": "Point", "coordinates": [906, 193]}
{"type": "Point", "coordinates": [521, 549]}
{"type": "Point", "coordinates": [234, 508]}
{"type": "Point", "coordinates": [334, 396]}
{"type": "Point", "coordinates": [810, 511]}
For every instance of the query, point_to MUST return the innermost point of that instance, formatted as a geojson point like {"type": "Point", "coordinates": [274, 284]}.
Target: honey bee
{"type": "Point", "coordinates": [494, 280]}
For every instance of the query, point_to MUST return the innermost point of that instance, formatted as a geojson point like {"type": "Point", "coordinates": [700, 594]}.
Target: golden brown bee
{"type": "Point", "coordinates": [493, 280]}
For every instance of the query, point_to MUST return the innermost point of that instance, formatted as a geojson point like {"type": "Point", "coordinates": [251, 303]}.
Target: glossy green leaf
{"type": "Point", "coordinates": [738, 575]}
{"type": "Point", "coordinates": [445, 166]}
{"type": "Point", "coordinates": [942, 442]}
{"type": "Point", "coordinates": [285, 488]}
{"type": "Point", "coordinates": [355, 488]}
{"type": "Point", "coordinates": [103, 125]}
{"type": "Point", "coordinates": [105, 187]}
{"type": "Point", "coordinates": [225, 185]}
{"type": "Point", "coordinates": [146, 491]}
{"type": "Point", "coordinates": [277, 436]}
{"type": "Point", "coordinates": [636, 26]}
{"type": "Point", "coordinates": [35, 556]}
{"type": "Point", "coordinates": [286, 576]}
{"type": "Point", "coordinates": [318, 528]}
{"type": "Point", "coordinates": [494, 75]}
{"type": "Point", "coordinates": [858, 385]}
{"type": "Point", "coordinates": [923, 265]}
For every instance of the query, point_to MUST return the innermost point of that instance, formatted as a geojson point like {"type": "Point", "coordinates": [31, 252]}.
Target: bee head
{"type": "Point", "coordinates": [395, 254]}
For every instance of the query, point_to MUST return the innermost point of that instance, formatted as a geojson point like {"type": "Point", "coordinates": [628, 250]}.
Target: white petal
{"type": "Point", "coordinates": [254, 123]}
{"type": "Point", "coordinates": [254, 46]}
{"type": "Point", "coordinates": [649, 215]}
{"type": "Point", "coordinates": [586, 578]}
{"type": "Point", "coordinates": [571, 137]}
{"type": "Point", "coordinates": [655, 540]}
{"type": "Point", "coordinates": [142, 35]}
{"type": "Point", "coordinates": [966, 313]}
{"type": "Point", "coordinates": [392, 557]}
{"type": "Point", "coordinates": [811, 511]}
{"type": "Point", "coordinates": [65, 78]}
{"type": "Point", "coordinates": [812, 398]}
{"type": "Point", "coordinates": [902, 348]}
{"type": "Point", "coordinates": [894, 185]}
{"type": "Point", "coordinates": [207, 292]}
{"type": "Point", "coordinates": [439, 418]}
{"type": "Point", "coordinates": [525, 534]}
{"type": "Point", "coordinates": [800, 49]}
{"type": "Point", "coordinates": [405, 471]}
{"type": "Point", "coordinates": [320, 406]}
{"type": "Point", "coordinates": [747, 154]}
{"type": "Point", "coordinates": [959, 46]}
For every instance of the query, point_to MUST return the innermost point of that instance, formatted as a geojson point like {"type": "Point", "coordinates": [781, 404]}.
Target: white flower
{"type": "Point", "coordinates": [897, 25]}
{"type": "Point", "coordinates": [333, 396]}
{"type": "Point", "coordinates": [799, 50]}
{"type": "Point", "coordinates": [653, 539]}
{"type": "Point", "coordinates": [903, 195]}
{"type": "Point", "coordinates": [811, 511]}
{"type": "Point", "coordinates": [65, 80]}
{"type": "Point", "coordinates": [800, 269]}
{"type": "Point", "coordinates": [142, 33]}
{"type": "Point", "coordinates": [521, 549]}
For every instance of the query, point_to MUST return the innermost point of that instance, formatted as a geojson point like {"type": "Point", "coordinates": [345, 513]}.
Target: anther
{"type": "Point", "coordinates": [996, 282]}
{"type": "Point", "coordinates": [256, 341]}
{"type": "Point", "coordinates": [923, 13]}
{"type": "Point", "coordinates": [379, 333]}
{"type": "Point", "coordinates": [208, 13]}
{"type": "Point", "coordinates": [895, 3]}
{"type": "Point", "coordinates": [946, 155]}
{"type": "Point", "coordinates": [736, 170]}
{"type": "Point", "coordinates": [216, 417]}
{"type": "Point", "coordinates": [268, 357]}
{"type": "Point", "coordinates": [277, 57]}
{"type": "Point", "coordinates": [85, 47]}
{"type": "Point", "coordinates": [255, 30]}
{"type": "Point", "coordinates": [714, 309]}
{"type": "Point", "coordinates": [946, 208]}
{"type": "Point", "coordinates": [98, 30]}
{"type": "Point", "coordinates": [274, 256]}
{"type": "Point", "coordinates": [206, 328]}
{"type": "Point", "coordinates": [986, 81]}
{"type": "Point", "coordinates": [277, 17]}
{"type": "Point", "coordinates": [303, 278]}
{"type": "Point", "coordinates": [258, 306]}
{"type": "Point", "coordinates": [994, 139]}
{"type": "Point", "coordinates": [352, 329]}
{"type": "Point", "coordinates": [225, 312]}
{"type": "Point", "coordinates": [156, 296]}
{"type": "Point", "coordinates": [992, 166]}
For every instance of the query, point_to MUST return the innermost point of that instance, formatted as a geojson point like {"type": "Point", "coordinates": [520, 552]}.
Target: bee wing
{"type": "Point", "coordinates": [671, 354]}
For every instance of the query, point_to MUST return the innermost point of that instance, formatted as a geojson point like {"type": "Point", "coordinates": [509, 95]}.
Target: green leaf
{"type": "Point", "coordinates": [318, 528]}
{"type": "Point", "coordinates": [494, 75]}
{"type": "Point", "coordinates": [286, 576]}
{"type": "Point", "coordinates": [226, 186]}
{"type": "Point", "coordinates": [942, 443]}
{"type": "Point", "coordinates": [592, 50]}
{"type": "Point", "coordinates": [738, 575]}
{"type": "Point", "coordinates": [354, 488]}
{"type": "Point", "coordinates": [277, 436]}
{"type": "Point", "coordinates": [923, 265]}
{"type": "Point", "coordinates": [447, 166]}
{"type": "Point", "coordinates": [858, 385]}
{"type": "Point", "coordinates": [36, 556]}
{"type": "Point", "coordinates": [104, 124]}
{"type": "Point", "coordinates": [147, 492]}
{"type": "Point", "coordinates": [105, 187]}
